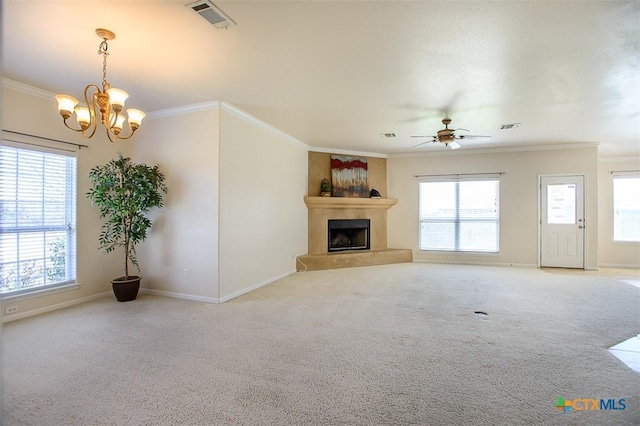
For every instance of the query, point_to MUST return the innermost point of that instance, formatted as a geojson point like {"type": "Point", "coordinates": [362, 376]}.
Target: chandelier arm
{"type": "Point", "coordinates": [64, 120]}
{"type": "Point", "coordinates": [113, 117]}
{"type": "Point", "coordinates": [91, 106]}
{"type": "Point", "coordinates": [112, 136]}
{"type": "Point", "coordinates": [125, 137]}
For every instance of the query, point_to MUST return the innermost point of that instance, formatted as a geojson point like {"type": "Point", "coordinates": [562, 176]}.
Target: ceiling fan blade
{"type": "Point", "coordinates": [422, 143]}
{"type": "Point", "coordinates": [423, 136]}
{"type": "Point", "coordinates": [473, 137]}
{"type": "Point", "coordinates": [462, 129]}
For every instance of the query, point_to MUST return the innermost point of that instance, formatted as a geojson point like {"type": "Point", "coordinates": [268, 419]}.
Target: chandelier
{"type": "Point", "coordinates": [109, 102]}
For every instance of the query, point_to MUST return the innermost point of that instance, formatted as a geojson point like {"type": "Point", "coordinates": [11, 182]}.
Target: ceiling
{"type": "Point", "coordinates": [337, 74]}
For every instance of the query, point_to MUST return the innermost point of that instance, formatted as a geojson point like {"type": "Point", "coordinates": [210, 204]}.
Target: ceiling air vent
{"type": "Point", "coordinates": [212, 14]}
{"type": "Point", "coordinates": [510, 126]}
{"type": "Point", "coordinates": [387, 135]}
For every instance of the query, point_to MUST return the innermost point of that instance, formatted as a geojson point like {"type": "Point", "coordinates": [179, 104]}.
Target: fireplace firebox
{"type": "Point", "coordinates": [348, 234]}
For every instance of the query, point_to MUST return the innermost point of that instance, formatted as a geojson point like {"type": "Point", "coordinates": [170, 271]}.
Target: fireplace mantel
{"type": "Point", "coordinates": [349, 203]}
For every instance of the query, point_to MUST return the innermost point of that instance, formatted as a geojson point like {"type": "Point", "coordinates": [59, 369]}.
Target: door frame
{"type": "Point", "coordinates": [584, 214]}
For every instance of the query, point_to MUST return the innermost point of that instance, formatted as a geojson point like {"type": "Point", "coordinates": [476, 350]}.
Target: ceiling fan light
{"type": "Point", "coordinates": [454, 145]}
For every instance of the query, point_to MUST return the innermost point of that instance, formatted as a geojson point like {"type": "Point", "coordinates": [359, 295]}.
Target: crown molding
{"type": "Point", "coordinates": [152, 115]}
{"type": "Point", "coordinates": [495, 150]}
{"type": "Point", "coordinates": [186, 109]}
{"type": "Point", "coordinates": [629, 159]}
{"type": "Point", "coordinates": [7, 83]}
{"type": "Point", "coordinates": [227, 107]}
{"type": "Point", "coordinates": [347, 152]}
{"type": "Point", "coordinates": [50, 96]}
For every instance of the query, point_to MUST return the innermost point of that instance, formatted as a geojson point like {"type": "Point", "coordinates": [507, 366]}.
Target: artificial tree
{"type": "Point", "coordinates": [124, 193]}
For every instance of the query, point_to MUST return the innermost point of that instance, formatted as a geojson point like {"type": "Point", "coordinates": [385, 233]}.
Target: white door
{"type": "Point", "coordinates": [562, 222]}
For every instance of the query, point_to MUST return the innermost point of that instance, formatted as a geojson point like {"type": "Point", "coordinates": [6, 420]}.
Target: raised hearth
{"type": "Point", "coordinates": [317, 262]}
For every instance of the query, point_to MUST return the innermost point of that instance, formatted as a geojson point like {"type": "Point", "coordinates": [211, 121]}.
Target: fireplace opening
{"type": "Point", "coordinates": [349, 234]}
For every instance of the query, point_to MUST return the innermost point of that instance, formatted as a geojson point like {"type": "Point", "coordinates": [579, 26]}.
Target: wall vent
{"type": "Point", "coordinates": [212, 14]}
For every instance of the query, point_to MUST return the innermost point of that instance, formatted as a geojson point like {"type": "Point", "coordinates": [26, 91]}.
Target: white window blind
{"type": "Point", "coordinates": [37, 218]}
{"type": "Point", "coordinates": [626, 207]}
{"type": "Point", "coordinates": [460, 214]}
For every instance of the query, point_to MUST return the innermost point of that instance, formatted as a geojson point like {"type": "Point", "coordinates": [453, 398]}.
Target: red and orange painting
{"type": "Point", "coordinates": [349, 177]}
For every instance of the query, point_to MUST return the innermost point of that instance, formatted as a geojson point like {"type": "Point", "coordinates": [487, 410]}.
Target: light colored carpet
{"type": "Point", "coordinates": [384, 345]}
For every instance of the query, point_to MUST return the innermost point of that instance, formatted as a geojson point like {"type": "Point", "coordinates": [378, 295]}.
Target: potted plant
{"type": "Point", "coordinates": [124, 192]}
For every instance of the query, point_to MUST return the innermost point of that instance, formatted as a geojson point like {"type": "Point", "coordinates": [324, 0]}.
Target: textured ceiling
{"type": "Point", "coordinates": [338, 74]}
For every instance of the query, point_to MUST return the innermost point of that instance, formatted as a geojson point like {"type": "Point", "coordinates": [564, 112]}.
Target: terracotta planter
{"type": "Point", "coordinates": [126, 290]}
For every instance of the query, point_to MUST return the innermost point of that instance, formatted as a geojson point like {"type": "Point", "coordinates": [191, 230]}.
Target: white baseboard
{"type": "Point", "coordinates": [453, 262]}
{"type": "Point", "coordinates": [33, 312]}
{"type": "Point", "coordinates": [175, 295]}
{"type": "Point", "coordinates": [213, 299]}
{"type": "Point", "coordinates": [620, 265]}
{"type": "Point", "coordinates": [256, 286]}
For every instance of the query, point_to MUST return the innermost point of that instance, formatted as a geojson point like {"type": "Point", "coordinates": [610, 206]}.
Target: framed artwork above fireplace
{"type": "Point", "coordinates": [349, 176]}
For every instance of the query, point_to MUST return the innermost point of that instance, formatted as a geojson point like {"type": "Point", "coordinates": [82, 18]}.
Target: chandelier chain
{"type": "Point", "coordinates": [102, 50]}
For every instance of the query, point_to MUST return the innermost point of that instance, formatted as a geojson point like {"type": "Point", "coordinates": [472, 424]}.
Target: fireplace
{"type": "Point", "coordinates": [348, 234]}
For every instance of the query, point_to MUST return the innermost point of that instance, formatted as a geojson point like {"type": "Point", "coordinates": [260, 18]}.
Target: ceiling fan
{"type": "Point", "coordinates": [448, 137]}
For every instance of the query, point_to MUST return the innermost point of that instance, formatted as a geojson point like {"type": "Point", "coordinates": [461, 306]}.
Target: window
{"type": "Point", "coordinates": [37, 218]}
{"type": "Point", "coordinates": [626, 207]}
{"type": "Point", "coordinates": [459, 214]}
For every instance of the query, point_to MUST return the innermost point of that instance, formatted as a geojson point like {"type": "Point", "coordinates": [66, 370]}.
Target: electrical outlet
{"type": "Point", "coordinates": [11, 310]}
{"type": "Point", "coordinates": [185, 273]}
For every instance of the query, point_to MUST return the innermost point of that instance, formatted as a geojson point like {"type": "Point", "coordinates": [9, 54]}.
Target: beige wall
{"type": "Point", "coordinates": [263, 218]}
{"type": "Point", "coordinates": [224, 170]}
{"type": "Point", "coordinates": [610, 252]}
{"type": "Point", "coordinates": [223, 167]}
{"type": "Point", "coordinates": [185, 232]}
{"type": "Point", "coordinates": [36, 113]}
{"type": "Point", "coordinates": [320, 168]}
{"type": "Point", "coordinates": [234, 214]}
{"type": "Point", "coordinates": [518, 199]}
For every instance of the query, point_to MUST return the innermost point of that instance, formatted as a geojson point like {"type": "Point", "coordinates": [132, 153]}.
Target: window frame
{"type": "Point", "coordinates": [69, 230]}
{"type": "Point", "coordinates": [614, 176]}
{"type": "Point", "coordinates": [459, 219]}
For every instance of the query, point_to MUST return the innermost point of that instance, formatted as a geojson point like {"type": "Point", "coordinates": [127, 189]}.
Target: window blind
{"type": "Point", "coordinates": [459, 214]}
{"type": "Point", "coordinates": [626, 207]}
{"type": "Point", "coordinates": [37, 218]}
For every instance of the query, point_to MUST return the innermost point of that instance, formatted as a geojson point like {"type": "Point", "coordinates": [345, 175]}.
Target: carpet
{"type": "Point", "coordinates": [382, 345]}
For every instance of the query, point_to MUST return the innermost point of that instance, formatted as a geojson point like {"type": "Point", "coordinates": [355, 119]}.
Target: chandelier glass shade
{"type": "Point", "coordinates": [106, 103]}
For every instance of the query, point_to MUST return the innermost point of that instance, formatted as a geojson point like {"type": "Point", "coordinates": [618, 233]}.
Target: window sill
{"type": "Point", "coordinates": [459, 253]}
{"type": "Point", "coordinates": [30, 294]}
